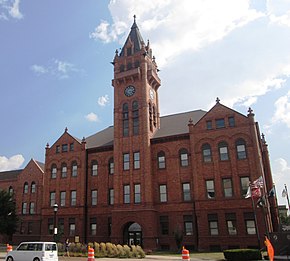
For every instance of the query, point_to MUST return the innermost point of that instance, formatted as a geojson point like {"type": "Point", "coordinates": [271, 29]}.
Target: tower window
{"type": "Point", "coordinates": [135, 118]}
{"type": "Point", "coordinates": [125, 120]}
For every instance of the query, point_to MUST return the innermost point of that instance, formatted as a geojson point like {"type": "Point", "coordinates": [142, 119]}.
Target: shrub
{"type": "Point", "coordinates": [242, 254]}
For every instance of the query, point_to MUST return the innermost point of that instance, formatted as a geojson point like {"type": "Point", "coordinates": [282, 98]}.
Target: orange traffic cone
{"type": "Point", "coordinates": [185, 254]}
{"type": "Point", "coordinates": [91, 254]}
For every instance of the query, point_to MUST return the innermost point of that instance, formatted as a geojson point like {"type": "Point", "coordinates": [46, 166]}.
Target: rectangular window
{"type": "Point", "coordinates": [73, 198]}
{"type": "Point", "coordinates": [72, 227]}
{"type": "Point", "coordinates": [61, 224]}
{"type": "Point", "coordinates": [186, 191]}
{"type": "Point", "coordinates": [74, 170]}
{"type": "Point", "coordinates": [24, 208]}
{"type": "Point", "coordinates": [209, 125]}
{"type": "Point", "coordinates": [64, 148]}
{"type": "Point", "coordinates": [137, 160]}
{"type": "Point", "coordinates": [220, 123]}
{"type": "Point", "coordinates": [231, 223]}
{"type": "Point", "coordinates": [184, 159]}
{"type": "Point", "coordinates": [109, 226]}
{"type": "Point", "coordinates": [53, 172]}
{"type": "Point", "coordinates": [94, 197]}
{"type": "Point", "coordinates": [163, 193]}
{"type": "Point", "coordinates": [126, 194]}
{"type": "Point", "coordinates": [161, 161]}
{"type": "Point", "coordinates": [245, 181]}
{"type": "Point", "coordinates": [95, 169]}
{"type": "Point", "coordinates": [71, 147]}
{"type": "Point", "coordinates": [32, 208]}
{"type": "Point", "coordinates": [64, 171]}
{"type": "Point", "coordinates": [164, 225]}
{"type": "Point", "coordinates": [52, 198]}
{"type": "Point", "coordinates": [213, 224]}
{"type": "Point", "coordinates": [241, 151]}
{"type": "Point", "coordinates": [62, 198]}
{"type": "Point", "coordinates": [93, 226]}
{"type": "Point", "coordinates": [111, 196]}
{"type": "Point", "coordinates": [210, 189]}
{"type": "Point", "coordinates": [137, 193]}
{"type": "Point", "coordinates": [250, 223]}
{"type": "Point", "coordinates": [188, 225]}
{"type": "Point", "coordinates": [57, 149]}
{"type": "Point", "coordinates": [224, 154]}
{"type": "Point", "coordinates": [50, 226]}
{"type": "Point", "coordinates": [125, 125]}
{"type": "Point", "coordinates": [228, 188]}
{"type": "Point", "coordinates": [126, 161]}
{"type": "Point", "coordinates": [30, 226]}
{"type": "Point", "coordinates": [231, 121]}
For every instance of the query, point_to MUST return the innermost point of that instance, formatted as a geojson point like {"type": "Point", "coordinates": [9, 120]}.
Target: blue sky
{"type": "Point", "coordinates": [56, 72]}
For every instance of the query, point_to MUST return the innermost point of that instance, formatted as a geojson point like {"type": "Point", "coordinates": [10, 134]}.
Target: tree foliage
{"type": "Point", "coordinates": [8, 218]}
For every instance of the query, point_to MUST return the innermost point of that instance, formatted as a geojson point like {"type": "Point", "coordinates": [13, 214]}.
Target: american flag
{"type": "Point", "coordinates": [258, 183]}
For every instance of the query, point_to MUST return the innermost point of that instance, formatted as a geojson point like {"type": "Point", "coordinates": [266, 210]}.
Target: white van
{"type": "Point", "coordinates": [34, 251]}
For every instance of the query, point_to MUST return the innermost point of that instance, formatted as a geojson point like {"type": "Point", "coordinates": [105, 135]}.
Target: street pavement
{"type": "Point", "coordinates": [148, 257]}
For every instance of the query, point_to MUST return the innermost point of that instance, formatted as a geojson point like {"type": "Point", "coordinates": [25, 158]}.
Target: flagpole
{"type": "Point", "coordinates": [255, 217]}
{"type": "Point", "coordinates": [287, 197]}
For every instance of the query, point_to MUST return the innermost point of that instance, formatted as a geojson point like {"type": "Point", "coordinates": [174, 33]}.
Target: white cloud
{"type": "Point", "coordinates": [58, 68]}
{"type": "Point", "coordinates": [281, 172]}
{"type": "Point", "coordinates": [10, 9]}
{"type": "Point", "coordinates": [14, 11]}
{"type": "Point", "coordinates": [11, 163]}
{"type": "Point", "coordinates": [282, 112]}
{"type": "Point", "coordinates": [38, 69]}
{"type": "Point", "coordinates": [103, 100]}
{"type": "Point", "coordinates": [92, 117]}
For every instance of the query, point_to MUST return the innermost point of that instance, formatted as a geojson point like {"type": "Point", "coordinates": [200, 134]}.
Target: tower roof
{"type": "Point", "coordinates": [135, 38]}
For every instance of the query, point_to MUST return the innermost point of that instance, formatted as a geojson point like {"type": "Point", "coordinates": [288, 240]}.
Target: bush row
{"type": "Point", "coordinates": [104, 250]}
{"type": "Point", "coordinates": [242, 254]}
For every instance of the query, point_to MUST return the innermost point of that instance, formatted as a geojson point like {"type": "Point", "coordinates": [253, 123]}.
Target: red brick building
{"type": "Point", "coordinates": [149, 179]}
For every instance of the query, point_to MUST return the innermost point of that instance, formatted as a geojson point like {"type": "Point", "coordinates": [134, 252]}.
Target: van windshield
{"type": "Point", "coordinates": [50, 247]}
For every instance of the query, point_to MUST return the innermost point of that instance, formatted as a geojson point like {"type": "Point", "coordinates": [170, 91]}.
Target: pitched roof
{"type": "Point", "coordinates": [11, 174]}
{"type": "Point", "coordinates": [170, 125]}
{"type": "Point", "coordinates": [135, 37]}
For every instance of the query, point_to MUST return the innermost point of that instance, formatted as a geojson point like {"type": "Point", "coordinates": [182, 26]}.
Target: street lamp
{"type": "Point", "coordinates": [55, 208]}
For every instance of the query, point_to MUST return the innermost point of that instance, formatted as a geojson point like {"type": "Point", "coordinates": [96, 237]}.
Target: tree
{"type": "Point", "coordinates": [8, 218]}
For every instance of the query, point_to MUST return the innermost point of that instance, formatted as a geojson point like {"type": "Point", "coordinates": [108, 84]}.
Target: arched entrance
{"type": "Point", "coordinates": [132, 234]}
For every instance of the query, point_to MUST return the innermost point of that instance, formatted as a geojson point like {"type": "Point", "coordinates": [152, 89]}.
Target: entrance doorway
{"type": "Point", "coordinates": [133, 234]}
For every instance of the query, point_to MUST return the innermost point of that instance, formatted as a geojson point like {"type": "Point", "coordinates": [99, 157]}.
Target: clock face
{"type": "Point", "coordinates": [129, 90]}
{"type": "Point", "coordinates": [151, 94]}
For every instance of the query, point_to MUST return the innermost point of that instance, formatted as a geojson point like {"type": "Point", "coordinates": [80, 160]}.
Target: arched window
{"type": "Point", "coordinates": [111, 166]}
{"type": "Point", "coordinates": [241, 149]}
{"type": "Point", "coordinates": [183, 157]}
{"type": "Point", "coordinates": [53, 171]}
{"type": "Point", "coordinates": [206, 152]}
{"type": "Point", "coordinates": [25, 188]}
{"type": "Point", "coordinates": [74, 169]}
{"type": "Point", "coordinates": [125, 120]}
{"type": "Point", "coordinates": [161, 160]}
{"type": "Point", "coordinates": [33, 187]}
{"type": "Point", "coordinates": [135, 118]}
{"type": "Point", "coordinates": [223, 150]}
{"type": "Point", "coordinates": [94, 168]}
{"type": "Point", "coordinates": [63, 170]}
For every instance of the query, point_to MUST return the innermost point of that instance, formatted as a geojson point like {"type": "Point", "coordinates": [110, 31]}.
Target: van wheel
{"type": "Point", "coordinates": [9, 258]}
{"type": "Point", "coordinates": [36, 259]}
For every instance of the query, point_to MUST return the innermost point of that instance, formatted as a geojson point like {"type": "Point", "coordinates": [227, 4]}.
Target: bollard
{"type": "Point", "coordinates": [185, 254]}
{"type": "Point", "coordinates": [91, 254]}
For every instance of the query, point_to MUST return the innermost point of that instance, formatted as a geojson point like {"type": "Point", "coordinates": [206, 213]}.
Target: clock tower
{"type": "Point", "coordinates": [136, 119]}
